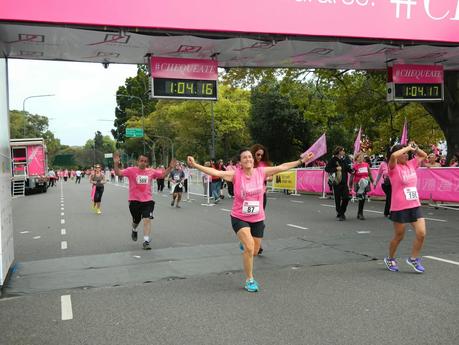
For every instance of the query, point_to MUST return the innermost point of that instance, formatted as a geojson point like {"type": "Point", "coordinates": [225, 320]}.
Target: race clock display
{"type": "Point", "coordinates": [419, 91]}
{"type": "Point", "coordinates": [415, 92]}
{"type": "Point", "coordinates": [184, 89]}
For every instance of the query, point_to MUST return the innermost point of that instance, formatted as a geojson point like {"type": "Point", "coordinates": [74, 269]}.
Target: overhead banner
{"type": "Point", "coordinates": [425, 20]}
{"type": "Point", "coordinates": [416, 74]}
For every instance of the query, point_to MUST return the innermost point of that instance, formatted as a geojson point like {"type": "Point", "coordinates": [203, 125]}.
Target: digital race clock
{"type": "Point", "coordinates": [419, 91]}
{"type": "Point", "coordinates": [184, 88]}
{"type": "Point", "coordinates": [422, 83]}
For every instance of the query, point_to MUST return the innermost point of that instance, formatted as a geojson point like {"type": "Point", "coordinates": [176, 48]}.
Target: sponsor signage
{"type": "Point", "coordinates": [415, 83]}
{"type": "Point", "coordinates": [183, 78]}
{"type": "Point", "coordinates": [422, 20]}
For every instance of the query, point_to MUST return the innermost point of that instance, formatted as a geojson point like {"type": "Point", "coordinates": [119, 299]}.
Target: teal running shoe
{"type": "Point", "coordinates": [251, 285]}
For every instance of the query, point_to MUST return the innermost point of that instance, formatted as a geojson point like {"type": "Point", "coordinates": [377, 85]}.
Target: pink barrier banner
{"type": "Point", "coordinates": [427, 20]}
{"type": "Point", "coordinates": [437, 184]}
{"type": "Point", "coordinates": [163, 67]}
{"type": "Point", "coordinates": [310, 180]}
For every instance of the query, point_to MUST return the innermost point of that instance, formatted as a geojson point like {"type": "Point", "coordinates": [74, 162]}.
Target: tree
{"type": "Point", "coordinates": [446, 113]}
{"type": "Point", "coordinates": [128, 107]}
{"type": "Point", "coordinates": [277, 123]}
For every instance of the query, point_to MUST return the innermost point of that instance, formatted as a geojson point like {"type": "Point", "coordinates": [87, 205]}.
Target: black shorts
{"type": "Point", "coordinates": [98, 194]}
{"type": "Point", "coordinates": [178, 189]}
{"type": "Point", "coordinates": [141, 209]}
{"type": "Point", "coordinates": [410, 215]}
{"type": "Point", "coordinates": [256, 229]}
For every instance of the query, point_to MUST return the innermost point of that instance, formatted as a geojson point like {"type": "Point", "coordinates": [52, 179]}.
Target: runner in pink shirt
{"type": "Point", "coordinates": [247, 214]}
{"type": "Point", "coordinates": [141, 204]}
{"type": "Point", "coordinates": [261, 159]}
{"type": "Point", "coordinates": [361, 179]}
{"type": "Point", "coordinates": [405, 204]}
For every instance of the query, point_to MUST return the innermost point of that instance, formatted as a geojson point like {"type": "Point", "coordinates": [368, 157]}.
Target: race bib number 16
{"type": "Point", "coordinates": [142, 179]}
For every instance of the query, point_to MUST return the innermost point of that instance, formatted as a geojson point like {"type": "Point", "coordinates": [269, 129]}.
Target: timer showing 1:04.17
{"type": "Point", "coordinates": [419, 91]}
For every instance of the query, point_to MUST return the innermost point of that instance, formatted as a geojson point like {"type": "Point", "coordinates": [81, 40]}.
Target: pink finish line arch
{"type": "Point", "coordinates": [421, 20]}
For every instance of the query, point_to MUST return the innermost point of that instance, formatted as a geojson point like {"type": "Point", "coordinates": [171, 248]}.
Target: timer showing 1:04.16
{"type": "Point", "coordinates": [184, 88]}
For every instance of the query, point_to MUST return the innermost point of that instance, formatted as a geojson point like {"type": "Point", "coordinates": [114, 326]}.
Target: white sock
{"type": "Point", "coordinates": [146, 238]}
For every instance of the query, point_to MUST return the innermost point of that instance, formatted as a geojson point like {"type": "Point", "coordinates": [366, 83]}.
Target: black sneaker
{"type": "Point", "coordinates": [260, 251]}
{"type": "Point", "coordinates": [172, 203]}
{"type": "Point", "coordinates": [134, 235]}
{"type": "Point", "coordinates": [146, 245]}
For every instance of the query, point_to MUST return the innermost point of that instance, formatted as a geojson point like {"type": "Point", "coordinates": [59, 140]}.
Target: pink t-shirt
{"type": "Point", "coordinates": [383, 170]}
{"type": "Point", "coordinates": [248, 195]}
{"type": "Point", "coordinates": [361, 171]}
{"type": "Point", "coordinates": [404, 181]}
{"type": "Point", "coordinates": [140, 182]}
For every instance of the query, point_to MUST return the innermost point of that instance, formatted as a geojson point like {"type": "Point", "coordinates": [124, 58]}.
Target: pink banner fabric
{"type": "Point", "coordinates": [357, 142]}
{"type": "Point", "coordinates": [404, 139]}
{"type": "Point", "coordinates": [319, 148]}
{"type": "Point", "coordinates": [379, 19]}
{"type": "Point", "coordinates": [437, 184]}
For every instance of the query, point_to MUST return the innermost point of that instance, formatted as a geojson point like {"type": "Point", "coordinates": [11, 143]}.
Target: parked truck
{"type": "Point", "coordinates": [29, 166]}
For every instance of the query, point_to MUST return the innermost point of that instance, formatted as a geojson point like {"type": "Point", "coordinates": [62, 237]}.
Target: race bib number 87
{"type": "Point", "coordinates": [142, 179]}
{"type": "Point", "coordinates": [251, 207]}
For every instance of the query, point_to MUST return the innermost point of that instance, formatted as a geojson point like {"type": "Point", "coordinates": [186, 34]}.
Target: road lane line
{"type": "Point", "coordinates": [442, 260]}
{"type": "Point", "coordinates": [297, 226]}
{"type": "Point", "coordinates": [63, 232]}
{"type": "Point", "coordinates": [363, 232]}
{"type": "Point", "coordinates": [62, 209]}
{"type": "Point", "coordinates": [62, 221]}
{"type": "Point", "coordinates": [380, 212]}
{"type": "Point", "coordinates": [297, 201]}
{"type": "Point", "coordinates": [64, 245]}
{"type": "Point", "coordinates": [66, 308]}
{"type": "Point", "coordinates": [225, 209]}
{"type": "Point", "coordinates": [62, 213]}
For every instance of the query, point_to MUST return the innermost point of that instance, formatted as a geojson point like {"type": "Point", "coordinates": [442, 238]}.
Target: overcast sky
{"type": "Point", "coordinates": [84, 95]}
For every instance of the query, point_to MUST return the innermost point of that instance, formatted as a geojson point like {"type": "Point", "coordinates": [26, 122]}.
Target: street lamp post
{"type": "Point", "coordinates": [23, 107]}
{"type": "Point", "coordinates": [143, 115]}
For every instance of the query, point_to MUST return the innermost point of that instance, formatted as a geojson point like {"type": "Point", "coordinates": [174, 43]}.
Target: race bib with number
{"type": "Point", "coordinates": [142, 179]}
{"type": "Point", "coordinates": [177, 177]}
{"type": "Point", "coordinates": [251, 207]}
{"type": "Point", "coordinates": [363, 170]}
{"type": "Point", "coordinates": [411, 193]}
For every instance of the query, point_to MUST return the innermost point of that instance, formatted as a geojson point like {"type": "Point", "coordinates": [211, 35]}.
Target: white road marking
{"type": "Point", "coordinates": [62, 213]}
{"type": "Point", "coordinates": [297, 226]}
{"type": "Point", "coordinates": [36, 237]}
{"type": "Point", "coordinates": [432, 219]}
{"type": "Point", "coordinates": [24, 232]}
{"type": "Point", "coordinates": [62, 221]}
{"type": "Point", "coordinates": [363, 232]}
{"type": "Point", "coordinates": [297, 201]}
{"type": "Point", "coordinates": [64, 245]}
{"type": "Point", "coordinates": [62, 209]}
{"type": "Point", "coordinates": [443, 260]}
{"type": "Point", "coordinates": [63, 232]}
{"type": "Point", "coordinates": [269, 198]}
{"type": "Point", "coordinates": [226, 210]}
{"type": "Point", "coordinates": [66, 307]}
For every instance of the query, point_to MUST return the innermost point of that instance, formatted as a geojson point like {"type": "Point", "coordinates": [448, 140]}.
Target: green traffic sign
{"type": "Point", "coordinates": [134, 132]}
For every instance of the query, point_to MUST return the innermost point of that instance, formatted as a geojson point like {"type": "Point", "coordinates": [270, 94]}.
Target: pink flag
{"type": "Point", "coordinates": [404, 139]}
{"type": "Point", "coordinates": [357, 142]}
{"type": "Point", "coordinates": [319, 148]}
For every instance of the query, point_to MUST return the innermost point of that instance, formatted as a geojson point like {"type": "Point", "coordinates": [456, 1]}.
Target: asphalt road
{"type": "Point", "coordinates": [322, 281]}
